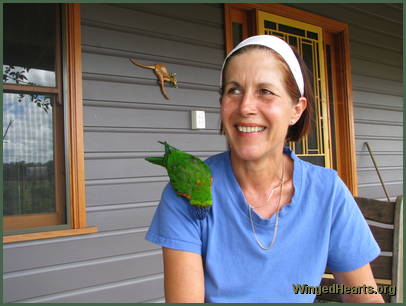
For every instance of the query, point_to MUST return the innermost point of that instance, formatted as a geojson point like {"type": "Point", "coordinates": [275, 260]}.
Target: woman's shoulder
{"type": "Point", "coordinates": [308, 168]}
{"type": "Point", "coordinates": [217, 160]}
{"type": "Point", "coordinates": [317, 174]}
{"type": "Point", "coordinates": [314, 169]}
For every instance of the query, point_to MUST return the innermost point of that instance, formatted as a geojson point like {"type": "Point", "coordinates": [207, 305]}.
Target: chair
{"type": "Point", "coordinates": [386, 222]}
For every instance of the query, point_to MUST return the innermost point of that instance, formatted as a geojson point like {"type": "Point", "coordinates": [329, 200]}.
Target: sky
{"type": "Point", "coordinates": [30, 136]}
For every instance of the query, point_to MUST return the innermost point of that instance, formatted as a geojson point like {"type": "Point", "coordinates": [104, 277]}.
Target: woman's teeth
{"type": "Point", "coordinates": [250, 129]}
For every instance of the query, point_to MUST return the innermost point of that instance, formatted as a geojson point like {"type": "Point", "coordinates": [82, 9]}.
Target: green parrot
{"type": "Point", "coordinates": [190, 178]}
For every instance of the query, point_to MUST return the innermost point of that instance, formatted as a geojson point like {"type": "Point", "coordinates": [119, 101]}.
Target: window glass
{"type": "Point", "coordinates": [237, 33]}
{"type": "Point", "coordinates": [28, 154]}
{"type": "Point", "coordinates": [29, 44]}
{"type": "Point", "coordinates": [292, 30]}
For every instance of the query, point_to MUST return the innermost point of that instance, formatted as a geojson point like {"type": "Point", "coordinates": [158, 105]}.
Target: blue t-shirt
{"type": "Point", "coordinates": [322, 225]}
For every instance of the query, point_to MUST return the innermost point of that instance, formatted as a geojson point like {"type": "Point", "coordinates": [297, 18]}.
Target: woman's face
{"type": "Point", "coordinates": [256, 109]}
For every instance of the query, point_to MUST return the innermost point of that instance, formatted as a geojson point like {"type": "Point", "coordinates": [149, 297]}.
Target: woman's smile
{"type": "Point", "coordinates": [249, 129]}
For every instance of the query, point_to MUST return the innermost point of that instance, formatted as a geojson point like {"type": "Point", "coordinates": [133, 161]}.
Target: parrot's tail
{"type": "Point", "coordinates": [168, 147]}
{"type": "Point", "coordinates": [160, 161]}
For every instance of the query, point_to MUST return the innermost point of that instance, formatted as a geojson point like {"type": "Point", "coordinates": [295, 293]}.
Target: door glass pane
{"type": "Point", "coordinates": [314, 159]}
{"type": "Point", "coordinates": [298, 149]}
{"type": "Point", "coordinates": [292, 30]}
{"type": "Point", "coordinates": [307, 53]}
{"type": "Point", "coordinates": [29, 44]}
{"type": "Point", "coordinates": [312, 35]}
{"type": "Point", "coordinates": [28, 154]}
{"type": "Point", "coordinates": [237, 33]}
{"type": "Point", "coordinates": [293, 41]}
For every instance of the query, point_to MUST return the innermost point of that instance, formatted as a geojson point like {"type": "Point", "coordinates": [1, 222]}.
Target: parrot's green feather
{"type": "Point", "coordinates": [160, 161]}
{"type": "Point", "coordinates": [190, 177]}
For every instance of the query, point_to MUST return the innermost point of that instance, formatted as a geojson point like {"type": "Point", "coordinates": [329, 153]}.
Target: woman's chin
{"type": "Point", "coordinates": [248, 153]}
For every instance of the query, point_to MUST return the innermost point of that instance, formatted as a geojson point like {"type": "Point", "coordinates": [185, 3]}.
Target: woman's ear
{"type": "Point", "coordinates": [298, 109]}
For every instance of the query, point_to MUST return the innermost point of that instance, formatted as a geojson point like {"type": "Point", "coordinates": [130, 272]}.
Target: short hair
{"type": "Point", "coordinates": [302, 126]}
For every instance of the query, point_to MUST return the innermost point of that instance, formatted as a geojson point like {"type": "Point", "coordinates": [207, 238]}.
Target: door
{"type": "Point", "coordinates": [308, 40]}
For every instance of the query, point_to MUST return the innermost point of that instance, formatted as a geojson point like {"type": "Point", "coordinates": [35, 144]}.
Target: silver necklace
{"type": "Point", "coordinates": [277, 216]}
{"type": "Point", "coordinates": [269, 196]}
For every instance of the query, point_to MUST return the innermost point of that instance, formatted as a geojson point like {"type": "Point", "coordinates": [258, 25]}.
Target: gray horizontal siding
{"type": "Point", "coordinates": [115, 166]}
{"type": "Point", "coordinates": [126, 291]}
{"type": "Point", "coordinates": [375, 85]}
{"type": "Point", "coordinates": [119, 40]}
{"type": "Point", "coordinates": [133, 140]}
{"type": "Point", "coordinates": [376, 48]}
{"type": "Point", "coordinates": [19, 285]}
{"type": "Point", "coordinates": [373, 99]}
{"type": "Point", "coordinates": [98, 92]}
{"type": "Point", "coordinates": [149, 20]}
{"type": "Point", "coordinates": [30, 255]}
{"type": "Point", "coordinates": [122, 216]}
{"type": "Point", "coordinates": [389, 174]}
{"type": "Point", "coordinates": [207, 14]}
{"type": "Point", "coordinates": [103, 66]}
{"type": "Point", "coordinates": [105, 117]}
{"type": "Point", "coordinates": [386, 159]}
{"type": "Point", "coordinates": [124, 192]}
{"type": "Point", "coordinates": [375, 190]}
{"type": "Point", "coordinates": [125, 115]}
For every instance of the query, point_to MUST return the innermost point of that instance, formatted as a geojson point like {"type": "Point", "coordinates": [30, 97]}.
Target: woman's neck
{"type": "Point", "coordinates": [259, 175]}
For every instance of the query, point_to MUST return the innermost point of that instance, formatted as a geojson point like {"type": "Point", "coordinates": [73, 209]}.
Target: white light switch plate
{"type": "Point", "coordinates": [198, 120]}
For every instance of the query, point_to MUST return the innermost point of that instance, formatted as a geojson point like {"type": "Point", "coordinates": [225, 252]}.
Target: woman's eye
{"type": "Point", "coordinates": [234, 91]}
{"type": "Point", "coordinates": [265, 91]}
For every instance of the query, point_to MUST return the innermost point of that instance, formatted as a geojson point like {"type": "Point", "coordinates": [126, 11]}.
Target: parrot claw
{"type": "Point", "coordinates": [201, 212]}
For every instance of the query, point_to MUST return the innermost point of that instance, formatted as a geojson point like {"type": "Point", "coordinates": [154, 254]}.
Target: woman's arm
{"type": "Point", "coordinates": [183, 277]}
{"type": "Point", "coordinates": [358, 278]}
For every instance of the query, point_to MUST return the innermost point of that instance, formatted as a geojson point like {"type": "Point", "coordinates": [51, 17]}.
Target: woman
{"type": "Point", "coordinates": [276, 220]}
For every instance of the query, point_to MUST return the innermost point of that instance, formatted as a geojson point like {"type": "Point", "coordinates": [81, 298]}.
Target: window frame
{"type": "Point", "coordinates": [73, 126]}
{"type": "Point", "coordinates": [336, 34]}
{"type": "Point", "coordinates": [57, 218]}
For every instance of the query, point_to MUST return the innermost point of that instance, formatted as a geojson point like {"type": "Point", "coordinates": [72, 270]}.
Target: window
{"type": "Point", "coordinates": [43, 179]}
{"type": "Point", "coordinates": [33, 152]}
{"type": "Point", "coordinates": [324, 45]}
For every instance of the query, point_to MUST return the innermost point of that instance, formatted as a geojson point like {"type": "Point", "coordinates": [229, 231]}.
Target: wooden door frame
{"type": "Point", "coordinates": [336, 34]}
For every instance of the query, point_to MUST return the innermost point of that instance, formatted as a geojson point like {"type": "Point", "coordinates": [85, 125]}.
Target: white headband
{"type": "Point", "coordinates": [279, 46]}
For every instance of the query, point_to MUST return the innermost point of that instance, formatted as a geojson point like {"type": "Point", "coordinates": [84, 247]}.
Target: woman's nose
{"type": "Point", "coordinates": [248, 104]}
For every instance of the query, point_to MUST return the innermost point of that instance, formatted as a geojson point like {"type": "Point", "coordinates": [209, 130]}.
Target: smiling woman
{"type": "Point", "coordinates": [276, 220]}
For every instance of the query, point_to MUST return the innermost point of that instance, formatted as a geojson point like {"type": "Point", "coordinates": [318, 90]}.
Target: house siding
{"type": "Point", "coordinates": [125, 115]}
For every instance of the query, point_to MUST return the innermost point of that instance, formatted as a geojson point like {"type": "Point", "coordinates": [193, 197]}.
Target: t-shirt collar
{"type": "Point", "coordinates": [235, 188]}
